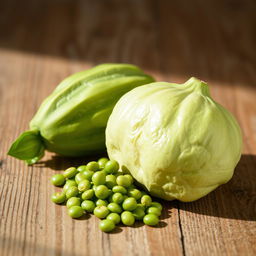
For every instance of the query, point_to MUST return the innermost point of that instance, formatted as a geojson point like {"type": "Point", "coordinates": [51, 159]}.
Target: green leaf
{"type": "Point", "coordinates": [29, 147]}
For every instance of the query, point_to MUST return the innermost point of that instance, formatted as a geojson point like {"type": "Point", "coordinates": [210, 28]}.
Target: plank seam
{"type": "Point", "coordinates": [181, 233]}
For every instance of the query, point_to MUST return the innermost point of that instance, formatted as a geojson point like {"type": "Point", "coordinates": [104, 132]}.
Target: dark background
{"type": "Point", "coordinates": [213, 40]}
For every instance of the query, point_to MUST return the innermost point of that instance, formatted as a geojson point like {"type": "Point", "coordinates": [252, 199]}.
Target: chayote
{"type": "Point", "coordinates": [72, 120]}
{"type": "Point", "coordinates": [174, 139]}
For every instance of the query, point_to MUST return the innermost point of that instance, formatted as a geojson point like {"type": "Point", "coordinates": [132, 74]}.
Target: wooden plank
{"type": "Point", "coordinates": [171, 39]}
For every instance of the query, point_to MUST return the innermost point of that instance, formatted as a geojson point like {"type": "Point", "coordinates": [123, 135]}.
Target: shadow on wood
{"type": "Point", "coordinates": [57, 162]}
{"type": "Point", "coordinates": [234, 200]}
{"type": "Point", "coordinates": [23, 247]}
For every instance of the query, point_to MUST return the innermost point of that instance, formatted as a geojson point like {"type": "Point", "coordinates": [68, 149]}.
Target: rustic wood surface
{"type": "Point", "coordinates": [41, 42]}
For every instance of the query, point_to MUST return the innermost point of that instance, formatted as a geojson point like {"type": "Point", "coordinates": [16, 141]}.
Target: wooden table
{"type": "Point", "coordinates": [41, 42]}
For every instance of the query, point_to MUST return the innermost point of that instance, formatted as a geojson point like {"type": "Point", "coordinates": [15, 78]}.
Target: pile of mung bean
{"type": "Point", "coordinates": [100, 188]}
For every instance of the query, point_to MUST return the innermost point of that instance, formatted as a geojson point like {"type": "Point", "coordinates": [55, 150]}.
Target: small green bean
{"type": "Point", "coordinates": [58, 180]}
{"type": "Point", "coordinates": [99, 178]}
{"type": "Point", "coordinates": [101, 202]}
{"type": "Point", "coordinates": [88, 205]}
{"type": "Point", "coordinates": [114, 207]}
{"type": "Point", "coordinates": [88, 194]}
{"type": "Point", "coordinates": [101, 192]}
{"type": "Point", "coordinates": [93, 166]}
{"type": "Point", "coordinates": [124, 181]}
{"type": "Point", "coordinates": [101, 212]}
{"type": "Point", "coordinates": [79, 177]}
{"type": "Point", "coordinates": [102, 162]}
{"type": "Point", "coordinates": [58, 198]}
{"type": "Point", "coordinates": [70, 172]}
{"type": "Point", "coordinates": [117, 198]}
{"type": "Point", "coordinates": [111, 181]}
{"type": "Point", "coordinates": [138, 213]}
{"type": "Point", "coordinates": [146, 200]}
{"type": "Point", "coordinates": [75, 211]}
{"type": "Point", "coordinates": [84, 185]}
{"type": "Point", "coordinates": [72, 201]}
{"type": "Point", "coordinates": [72, 191]}
{"type": "Point", "coordinates": [129, 204]}
{"type": "Point", "coordinates": [111, 166]}
{"type": "Point", "coordinates": [154, 210]}
{"type": "Point", "coordinates": [134, 193]}
{"type": "Point", "coordinates": [115, 217]}
{"type": "Point", "coordinates": [150, 219]}
{"type": "Point", "coordinates": [119, 189]}
{"type": "Point", "coordinates": [82, 168]}
{"type": "Point", "coordinates": [127, 218]}
{"type": "Point", "coordinates": [107, 225]}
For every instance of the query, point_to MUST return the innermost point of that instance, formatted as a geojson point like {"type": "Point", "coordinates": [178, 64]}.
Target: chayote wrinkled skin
{"type": "Point", "coordinates": [72, 120]}
{"type": "Point", "coordinates": [174, 139]}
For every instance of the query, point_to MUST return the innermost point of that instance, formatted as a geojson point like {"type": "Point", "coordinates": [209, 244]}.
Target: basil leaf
{"type": "Point", "coordinates": [29, 147]}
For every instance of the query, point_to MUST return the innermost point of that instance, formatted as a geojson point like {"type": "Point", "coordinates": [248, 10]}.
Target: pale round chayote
{"type": "Point", "coordinates": [174, 139]}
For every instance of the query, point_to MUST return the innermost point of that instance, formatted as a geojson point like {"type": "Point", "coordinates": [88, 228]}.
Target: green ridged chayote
{"type": "Point", "coordinates": [72, 120]}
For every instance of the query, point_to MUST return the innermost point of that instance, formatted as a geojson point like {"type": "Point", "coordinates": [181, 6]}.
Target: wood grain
{"type": "Point", "coordinates": [41, 42]}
